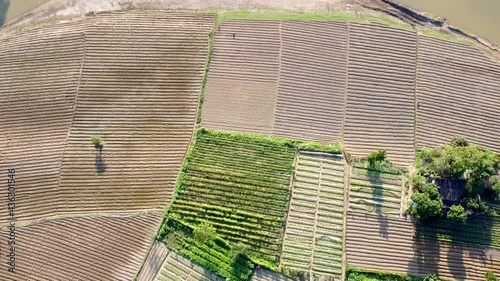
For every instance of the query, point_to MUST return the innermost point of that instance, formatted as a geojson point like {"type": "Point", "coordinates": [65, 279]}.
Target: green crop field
{"type": "Point", "coordinates": [241, 185]}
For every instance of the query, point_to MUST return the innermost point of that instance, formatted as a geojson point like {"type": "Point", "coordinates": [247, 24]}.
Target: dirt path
{"type": "Point", "coordinates": [347, 180]}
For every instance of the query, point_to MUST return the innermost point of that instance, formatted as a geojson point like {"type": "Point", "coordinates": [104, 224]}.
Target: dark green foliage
{"type": "Point", "coordinates": [459, 141]}
{"type": "Point", "coordinates": [239, 250]}
{"type": "Point", "coordinates": [427, 203]}
{"type": "Point", "coordinates": [376, 156]}
{"type": "Point", "coordinates": [490, 276]}
{"type": "Point", "coordinates": [457, 214]}
{"type": "Point", "coordinates": [97, 141]}
{"type": "Point", "coordinates": [214, 254]}
{"type": "Point", "coordinates": [365, 275]}
{"type": "Point", "coordinates": [494, 183]}
{"type": "Point", "coordinates": [205, 233]}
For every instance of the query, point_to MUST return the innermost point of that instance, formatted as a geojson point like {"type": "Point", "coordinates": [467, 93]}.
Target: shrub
{"type": "Point", "coordinates": [426, 204]}
{"type": "Point", "coordinates": [431, 277]}
{"type": "Point", "coordinates": [97, 141]}
{"type": "Point", "coordinates": [238, 250]}
{"type": "Point", "coordinates": [459, 141]}
{"type": "Point", "coordinates": [457, 214]}
{"type": "Point", "coordinates": [205, 233]}
{"type": "Point", "coordinates": [376, 156]}
{"type": "Point", "coordinates": [490, 276]}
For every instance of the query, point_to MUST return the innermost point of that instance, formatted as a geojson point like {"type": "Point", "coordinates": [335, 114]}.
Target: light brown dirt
{"type": "Point", "coordinates": [86, 248]}
{"type": "Point", "coordinates": [312, 80]}
{"type": "Point", "coordinates": [380, 92]}
{"type": "Point", "coordinates": [153, 263]}
{"type": "Point", "coordinates": [39, 76]}
{"type": "Point", "coordinates": [267, 275]}
{"type": "Point", "coordinates": [458, 93]}
{"type": "Point", "coordinates": [388, 244]}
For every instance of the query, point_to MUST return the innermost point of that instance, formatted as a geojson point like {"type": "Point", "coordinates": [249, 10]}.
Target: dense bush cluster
{"type": "Point", "coordinates": [362, 275]}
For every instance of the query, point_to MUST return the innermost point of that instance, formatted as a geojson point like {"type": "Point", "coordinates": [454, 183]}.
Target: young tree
{"type": "Point", "coordinates": [97, 141]}
{"type": "Point", "coordinates": [457, 214]}
{"type": "Point", "coordinates": [376, 156]}
{"type": "Point", "coordinates": [459, 141]}
{"type": "Point", "coordinates": [490, 276]}
{"type": "Point", "coordinates": [426, 204]}
{"type": "Point", "coordinates": [205, 233]}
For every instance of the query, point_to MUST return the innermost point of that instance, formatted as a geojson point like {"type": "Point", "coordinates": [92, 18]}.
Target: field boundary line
{"type": "Point", "coordinates": [344, 111]}
{"type": "Point", "coordinates": [403, 196]}
{"type": "Point", "coordinates": [77, 90]}
{"type": "Point", "coordinates": [347, 183]}
{"type": "Point", "coordinates": [278, 81]}
{"type": "Point", "coordinates": [311, 264]}
{"type": "Point", "coordinates": [289, 202]}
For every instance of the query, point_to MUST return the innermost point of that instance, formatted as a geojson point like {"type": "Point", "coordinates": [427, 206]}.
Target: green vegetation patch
{"type": "Point", "coordinates": [240, 184]}
{"type": "Point", "coordinates": [311, 16]}
{"type": "Point", "coordinates": [355, 274]}
{"type": "Point", "coordinates": [211, 251]}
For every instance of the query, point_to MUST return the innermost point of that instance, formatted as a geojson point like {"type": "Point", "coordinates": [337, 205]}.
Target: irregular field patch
{"type": "Point", "coordinates": [176, 267]}
{"type": "Point", "coordinates": [84, 248]}
{"type": "Point", "coordinates": [241, 185]}
{"type": "Point", "coordinates": [153, 263]}
{"type": "Point", "coordinates": [313, 237]}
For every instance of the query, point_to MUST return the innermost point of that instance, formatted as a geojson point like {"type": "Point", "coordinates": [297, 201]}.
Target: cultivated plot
{"type": "Point", "coordinates": [390, 245]}
{"type": "Point", "coordinates": [313, 237]}
{"type": "Point", "coordinates": [84, 248]}
{"type": "Point", "coordinates": [177, 268]}
{"type": "Point", "coordinates": [139, 90]}
{"type": "Point", "coordinates": [243, 78]}
{"type": "Point", "coordinates": [458, 93]}
{"type": "Point", "coordinates": [381, 91]}
{"type": "Point", "coordinates": [312, 81]}
{"type": "Point", "coordinates": [375, 192]}
{"type": "Point", "coordinates": [241, 185]}
{"type": "Point", "coordinates": [153, 262]}
{"type": "Point", "coordinates": [267, 275]}
{"type": "Point", "coordinates": [39, 74]}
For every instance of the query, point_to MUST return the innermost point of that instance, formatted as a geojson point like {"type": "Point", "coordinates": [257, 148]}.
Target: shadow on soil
{"type": "Point", "coordinates": [378, 201]}
{"type": "Point", "coordinates": [4, 6]}
{"type": "Point", "coordinates": [441, 237]}
{"type": "Point", "coordinates": [100, 165]}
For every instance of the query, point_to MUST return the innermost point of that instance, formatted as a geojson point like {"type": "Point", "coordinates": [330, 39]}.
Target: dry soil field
{"type": "Point", "coordinates": [153, 263]}
{"type": "Point", "coordinates": [132, 78]}
{"type": "Point", "coordinates": [85, 248]}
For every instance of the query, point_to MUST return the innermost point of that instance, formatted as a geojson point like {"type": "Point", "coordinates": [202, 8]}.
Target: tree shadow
{"type": "Point", "coordinates": [378, 201]}
{"type": "Point", "coordinates": [426, 253]}
{"type": "Point", "coordinates": [100, 165]}
{"type": "Point", "coordinates": [4, 6]}
{"type": "Point", "coordinates": [455, 258]}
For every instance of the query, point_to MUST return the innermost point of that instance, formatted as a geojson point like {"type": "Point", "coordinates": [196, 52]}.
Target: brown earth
{"type": "Point", "coordinates": [367, 235]}
{"type": "Point", "coordinates": [156, 256]}
{"type": "Point", "coordinates": [85, 248]}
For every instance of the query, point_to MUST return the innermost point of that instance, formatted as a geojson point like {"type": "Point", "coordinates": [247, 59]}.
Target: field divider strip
{"type": "Point", "coordinates": [347, 180]}
{"type": "Point", "coordinates": [315, 221]}
{"type": "Point", "coordinates": [344, 110]}
{"type": "Point", "coordinates": [278, 81]}
{"type": "Point", "coordinates": [415, 100]}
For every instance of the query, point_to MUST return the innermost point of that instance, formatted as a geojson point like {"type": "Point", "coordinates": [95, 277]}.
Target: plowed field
{"type": "Point", "coordinates": [267, 275]}
{"type": "Point", "coordinates": [243, 78]}
{"type": "Point", "coordinates": [177, 268]}
{"type": "Point", "coordinates": [312, 80]}
{"type": "Point", "coordinates": [139, 91]}
{"type": "Point", "coordinates": [85, 248]}
{"type": "Point", "coordinates": [39, 74]}
{"type": "Point", "coordinates": [402, 252]}
{"type": "Point", "coordinates": [313, 237]}
{"type": "Point", "coordinates": [458, 93]}
{"type": "Point", "coordinates": [154, 262]}
{"type": "Point", "coordinates": [380, 93]}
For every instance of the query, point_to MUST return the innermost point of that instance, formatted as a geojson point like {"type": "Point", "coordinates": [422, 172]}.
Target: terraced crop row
{"type": "Point", "coordinates": [388, 244]}
{"type": "Point", "coordinates": [375, 193]}
{"type": "Point", "coordinates": [39, 74]}
{"type": "Point", "coordinates": [243, 77]}
{"type": "Point", "coordinates": [312, 82]}
{"type": "Point", "coordinates": [139, 91]}
{"type": "Point", "coordinates": [458, 89]}
{"type": "Point", "coordinates": [84, 248]}
{"type": "Point", "coordinates": [154, 261]}
{"type": "Point", "coordinates": [176, 268]}
{"type": "Point", "coordinates": [241, 186]}
{"type": "Point", "coordinates": [313, 237]}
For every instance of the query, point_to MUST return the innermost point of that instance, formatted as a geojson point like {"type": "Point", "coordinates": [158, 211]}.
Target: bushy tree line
{"type": "Point", "coordinates": [457, 160]}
